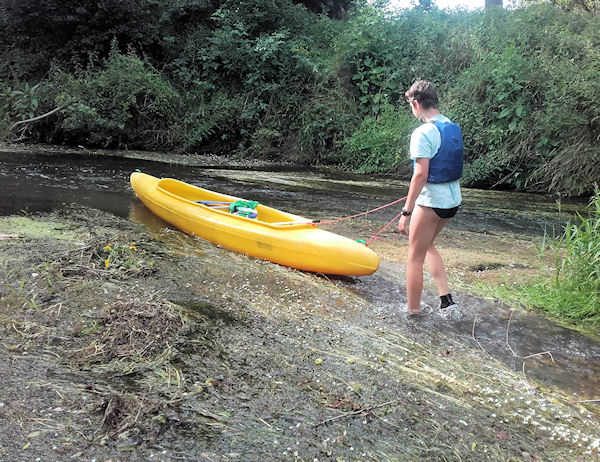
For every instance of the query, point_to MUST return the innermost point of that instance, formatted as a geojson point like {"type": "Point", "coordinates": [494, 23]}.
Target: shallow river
{"type": "Point", "coordinates": [38, 182]}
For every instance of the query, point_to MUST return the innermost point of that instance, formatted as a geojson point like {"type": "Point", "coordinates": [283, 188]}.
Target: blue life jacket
{"type": "Point", "coordinates": [447, 164]}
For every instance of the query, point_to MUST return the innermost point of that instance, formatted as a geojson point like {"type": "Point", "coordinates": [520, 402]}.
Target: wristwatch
{"type": "Point", "coordinates": [405, 213]}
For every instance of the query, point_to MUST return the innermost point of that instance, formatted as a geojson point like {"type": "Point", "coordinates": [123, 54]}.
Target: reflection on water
{"type": "Point", "coordinates": [44, 182]}
{"type": "Point", "coordinates": [139, 213]}
{"type": "Point", "coordinates": [162, 231]}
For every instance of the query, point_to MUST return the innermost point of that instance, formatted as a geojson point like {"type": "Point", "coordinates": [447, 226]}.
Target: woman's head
{"type": "Point", "coordinates": [424, 92]}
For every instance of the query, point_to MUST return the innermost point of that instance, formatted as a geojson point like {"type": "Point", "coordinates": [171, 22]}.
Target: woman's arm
{"type": "Point", "coordinates": [418, 180]}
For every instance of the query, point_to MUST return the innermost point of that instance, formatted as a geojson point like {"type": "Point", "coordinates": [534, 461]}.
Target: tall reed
{"type": "Point", "coordinates": [571, 291]}
{"type": "Point", "coordinates": [576, 285]}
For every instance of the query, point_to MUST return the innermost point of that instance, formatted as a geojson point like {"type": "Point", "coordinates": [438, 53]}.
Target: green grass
{"type": "Point", "coordinates": [571, 290]}
{"type": "Point", "coordinates": [568, 303]}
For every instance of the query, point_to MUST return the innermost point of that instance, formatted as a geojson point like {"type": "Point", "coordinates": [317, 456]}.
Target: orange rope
{"type": "Point", "coordinates": [359, 214]}
{"type": "Point", "coordinates": [364, 213]}
{"type": "Point", "coordinates": [381, 230]}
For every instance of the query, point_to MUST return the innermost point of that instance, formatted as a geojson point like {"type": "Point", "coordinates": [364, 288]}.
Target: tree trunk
{"type": "Point", "coordinates": [492, 3]}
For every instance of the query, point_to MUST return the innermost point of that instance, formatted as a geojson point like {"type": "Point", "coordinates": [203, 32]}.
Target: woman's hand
{"type": "Point", "coordinates": [403, 224]}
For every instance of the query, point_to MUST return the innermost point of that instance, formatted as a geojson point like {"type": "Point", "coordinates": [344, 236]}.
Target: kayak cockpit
{"type": "Point", "coordinates": [220, 203]}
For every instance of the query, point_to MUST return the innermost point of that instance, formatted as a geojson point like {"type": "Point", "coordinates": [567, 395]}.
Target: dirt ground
{"type": "Point", "coordinates": [122, 341]}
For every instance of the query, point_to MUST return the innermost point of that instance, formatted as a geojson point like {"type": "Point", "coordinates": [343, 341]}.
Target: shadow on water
{"type": "Point", "coordinates": [35, 183]}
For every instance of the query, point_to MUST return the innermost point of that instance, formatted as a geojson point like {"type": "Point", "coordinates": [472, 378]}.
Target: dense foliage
{"type": "Point", "coordinates": [319, 82]}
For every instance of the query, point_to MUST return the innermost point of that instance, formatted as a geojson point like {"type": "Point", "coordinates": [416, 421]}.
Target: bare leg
{"type": "Point", "coordinates": [424, 226]}
{"type": "Point", "coordinates": [435, 263]}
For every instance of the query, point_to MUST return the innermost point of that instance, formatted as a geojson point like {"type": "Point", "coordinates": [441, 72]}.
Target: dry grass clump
{"type": "Point", "coordinates": [122, 412]}
{"type": "Point", "coordinates": [133, 330]}
{"type": "Point", "coordinates": [104, 258]}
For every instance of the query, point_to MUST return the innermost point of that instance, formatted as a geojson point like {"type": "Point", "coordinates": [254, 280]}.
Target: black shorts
{"type": "Point", "coordinates": [445, 213]}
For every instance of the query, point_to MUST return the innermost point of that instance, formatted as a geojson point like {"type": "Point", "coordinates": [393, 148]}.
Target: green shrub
{"type": "Point", "coordinates": [122, 103]}
{"type": "Point", "coordinates": [38, 32]}
{"type": "Point", "coordinates": [528, 104]}
{"type": "Point", "coordinates": [256, 62]}
{"type": "Point", "coordinates": [580, 267]}
{"type": "Point", "coordinates": [379, 144]}
{"type": "Point", "coordinates": [494, 106]}
{"type": "Point", "coordinates": [328, 117]}
{"type": "Point", "coordinates": [212, 120]}
{"type": "Point", "coordinates": [16, 104]}
{"type": "Point", "coordinates": [370, 57]}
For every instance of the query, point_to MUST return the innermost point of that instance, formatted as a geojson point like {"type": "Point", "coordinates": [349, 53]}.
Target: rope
{"type": "Point", "coordinates": [381, 230]}
{"type": "Point", "coordinates": [359, 214]}
{"type": "Point", "coordinates": [365, 213]}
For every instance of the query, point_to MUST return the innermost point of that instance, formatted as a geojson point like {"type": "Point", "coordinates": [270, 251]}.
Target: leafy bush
{"type": "Point", "coordinates": [124, 102]}
{"type": "Point", "coordinates": [18, 104]}
{"type": "Point", "coordinates": [369, 57]}
{"type": "Point", "coordinates": [212, 120]}
{"type": "Point", "coordinates": [40, 31]}
{"type": "Point", "coordinates": [494, 106]}
{"type": "Point", "coordinates": [528, 105]}
{"type": "Point", "coordinates": [254, 60]}
{"type": "Point", "coordinates": [379, 144]}
{"type": "Point", "coordinates": [327, 119]}
{"type": "Point", "coordinates": [581, 241]}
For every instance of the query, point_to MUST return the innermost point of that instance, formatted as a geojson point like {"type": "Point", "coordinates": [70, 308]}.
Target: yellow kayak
{"type": "Point", "coordinates": [271, 234]}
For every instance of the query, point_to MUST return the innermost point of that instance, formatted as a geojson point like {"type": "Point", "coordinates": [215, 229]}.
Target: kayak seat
{"type": "Point", "coordinates": [240, 208]}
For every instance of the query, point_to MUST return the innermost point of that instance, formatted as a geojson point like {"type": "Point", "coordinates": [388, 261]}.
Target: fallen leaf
{"type": "Point", "coordinates": [503, 436]}
{"type": "Point", "coordinates": [340, 403]}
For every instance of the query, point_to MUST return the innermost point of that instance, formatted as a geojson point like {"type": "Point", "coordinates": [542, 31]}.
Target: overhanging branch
{"type": "Point", "coordinates": [34, 119]}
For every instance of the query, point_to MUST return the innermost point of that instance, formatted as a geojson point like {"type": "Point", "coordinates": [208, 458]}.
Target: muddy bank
{"type": "Point", "coordinates": [190, 160]}
{"type": "Point", "coordinates": [123, 341]}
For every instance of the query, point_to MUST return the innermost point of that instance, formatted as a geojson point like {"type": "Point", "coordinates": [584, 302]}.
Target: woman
{"type": "Point", "coordinates": [434, 193]}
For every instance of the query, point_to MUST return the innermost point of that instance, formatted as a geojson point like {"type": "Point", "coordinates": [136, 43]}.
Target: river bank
{"type": "Point", "coordinates": [190, 160]}
{"type": "Point", "coordinates": [122, 342]}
